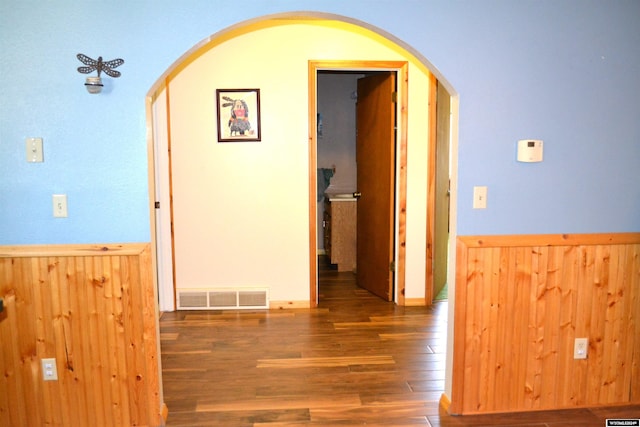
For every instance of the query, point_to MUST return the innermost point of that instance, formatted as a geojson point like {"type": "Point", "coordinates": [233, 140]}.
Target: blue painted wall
{"type": "Point", "coordinates": [563, 71]}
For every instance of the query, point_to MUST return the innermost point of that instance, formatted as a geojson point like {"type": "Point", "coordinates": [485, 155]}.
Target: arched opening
{"type": "Point", "coordinates": [411, 269]}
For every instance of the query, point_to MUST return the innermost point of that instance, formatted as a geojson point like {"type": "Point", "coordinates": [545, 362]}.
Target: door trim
{"type": "Point", "coordinates": [401, 68]}
{"type": "Point", "coordinates": [431, 191]}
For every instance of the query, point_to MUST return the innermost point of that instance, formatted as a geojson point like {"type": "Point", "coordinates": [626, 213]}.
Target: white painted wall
{"type": "Point", "coordinates": [241, 209]}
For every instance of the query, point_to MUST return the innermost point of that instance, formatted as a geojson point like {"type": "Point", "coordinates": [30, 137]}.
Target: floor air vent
{"type": "Point", "coordinates": [220, 299]}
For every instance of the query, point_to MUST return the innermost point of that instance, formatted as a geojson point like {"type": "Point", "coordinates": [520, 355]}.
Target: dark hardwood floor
{"type": "Point", "coordinates": [355, 360]}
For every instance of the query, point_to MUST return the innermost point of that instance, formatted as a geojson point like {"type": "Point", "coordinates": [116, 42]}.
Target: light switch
{"type": "Point", "coordinates": [60, 205]}
{"type": "Point", "coordinates": [34, 150]}
{"type": "Point", "coordinates": [480, 197]}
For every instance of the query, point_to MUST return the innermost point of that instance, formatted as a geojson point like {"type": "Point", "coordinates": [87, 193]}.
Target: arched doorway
{"type": "Point", "coordinates": [158, 112]}
{"type": "Point", "coordinates": [159, 144]}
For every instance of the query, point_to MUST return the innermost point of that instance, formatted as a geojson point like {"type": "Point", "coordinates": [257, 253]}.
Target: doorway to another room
{"type": "Point", "coordinates": [332, 124]}
{"type": "Point", "coordinates": [377, 174]}
{"type": "Point", "coordinates": [356, 146]}
{"type": "Point", "coordinates": [218, 208]}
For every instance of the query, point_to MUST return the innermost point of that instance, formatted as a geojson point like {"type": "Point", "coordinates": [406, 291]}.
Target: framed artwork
{"type": "Point", "coordinates": [238, 115]}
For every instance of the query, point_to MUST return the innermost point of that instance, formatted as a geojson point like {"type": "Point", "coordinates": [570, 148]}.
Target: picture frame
{"type": "Point", "coordinates": [238, 115]}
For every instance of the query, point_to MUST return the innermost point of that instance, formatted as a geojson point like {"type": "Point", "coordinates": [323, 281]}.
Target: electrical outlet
{"type": "Point", "coordinates": [581, 348]}
{"type": "Point", "coordinates": [49, 370]}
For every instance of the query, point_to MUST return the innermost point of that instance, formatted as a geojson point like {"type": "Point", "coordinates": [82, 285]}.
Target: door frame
{"type": "Point", "coordinates": [401, 68]}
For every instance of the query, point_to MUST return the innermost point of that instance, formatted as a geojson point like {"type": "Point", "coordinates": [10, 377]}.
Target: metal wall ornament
{"type": "Point", "coordinates": [94, 84]}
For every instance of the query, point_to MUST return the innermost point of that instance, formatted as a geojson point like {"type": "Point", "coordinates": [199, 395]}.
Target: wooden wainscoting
{"type": "Point", "coordinates": [93, 309]}
{"type": "Point", "coordinates": [520, 303]}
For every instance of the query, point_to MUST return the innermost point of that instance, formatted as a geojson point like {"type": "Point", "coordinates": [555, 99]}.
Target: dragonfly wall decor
{"type": "Point", "coordinates": [94, 84]}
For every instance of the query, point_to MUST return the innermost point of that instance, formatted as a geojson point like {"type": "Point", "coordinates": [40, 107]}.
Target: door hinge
{"type": "Point", "coordinates": [157, 205]}
{"type": "Point", "coordinates": [392, 266]}
{"type": "Point", "coordinates": [394, 97]}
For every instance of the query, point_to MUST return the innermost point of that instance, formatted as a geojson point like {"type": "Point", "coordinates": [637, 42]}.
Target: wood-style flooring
{"type": "Point", "coordinates": [354, 360]}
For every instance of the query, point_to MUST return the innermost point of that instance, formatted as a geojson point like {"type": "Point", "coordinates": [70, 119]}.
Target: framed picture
{"type": "Point", "coordinates": [238, 115]}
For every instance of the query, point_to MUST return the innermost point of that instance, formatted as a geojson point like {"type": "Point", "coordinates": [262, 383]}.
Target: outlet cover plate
{"type": "Point", "coordinates": [581, 348]}
{"type": "Point", "coordinates": [49, 370]}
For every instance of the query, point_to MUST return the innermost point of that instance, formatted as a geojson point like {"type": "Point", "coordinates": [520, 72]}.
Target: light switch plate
{"type": "Point", "coordinates": [34, 150]}
{"type": "Point", "coordinates": [59, 205]}
{"type": "Point", "coordinates": [480, 197]}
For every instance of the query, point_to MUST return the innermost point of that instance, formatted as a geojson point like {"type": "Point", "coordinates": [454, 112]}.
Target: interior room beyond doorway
{"type": "Point", "coordinates": [338, 215]}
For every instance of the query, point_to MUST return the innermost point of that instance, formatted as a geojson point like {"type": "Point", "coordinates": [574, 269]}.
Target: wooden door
{"type": "Point", "coordinates": [441, 208]}
{"type": "Point", "coordinates": [375, 156]}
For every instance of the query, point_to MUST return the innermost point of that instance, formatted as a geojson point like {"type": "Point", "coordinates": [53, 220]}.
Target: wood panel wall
{"type": "Point", "coordinates": [93, 309]}
{"type": "Point", "coordinates": [520, 303]}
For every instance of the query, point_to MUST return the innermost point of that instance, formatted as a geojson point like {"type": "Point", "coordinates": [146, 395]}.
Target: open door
{"type": "Point", "coordinates": [441, 208]}
{"type": "Point", "coordinates": [375, 156]}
